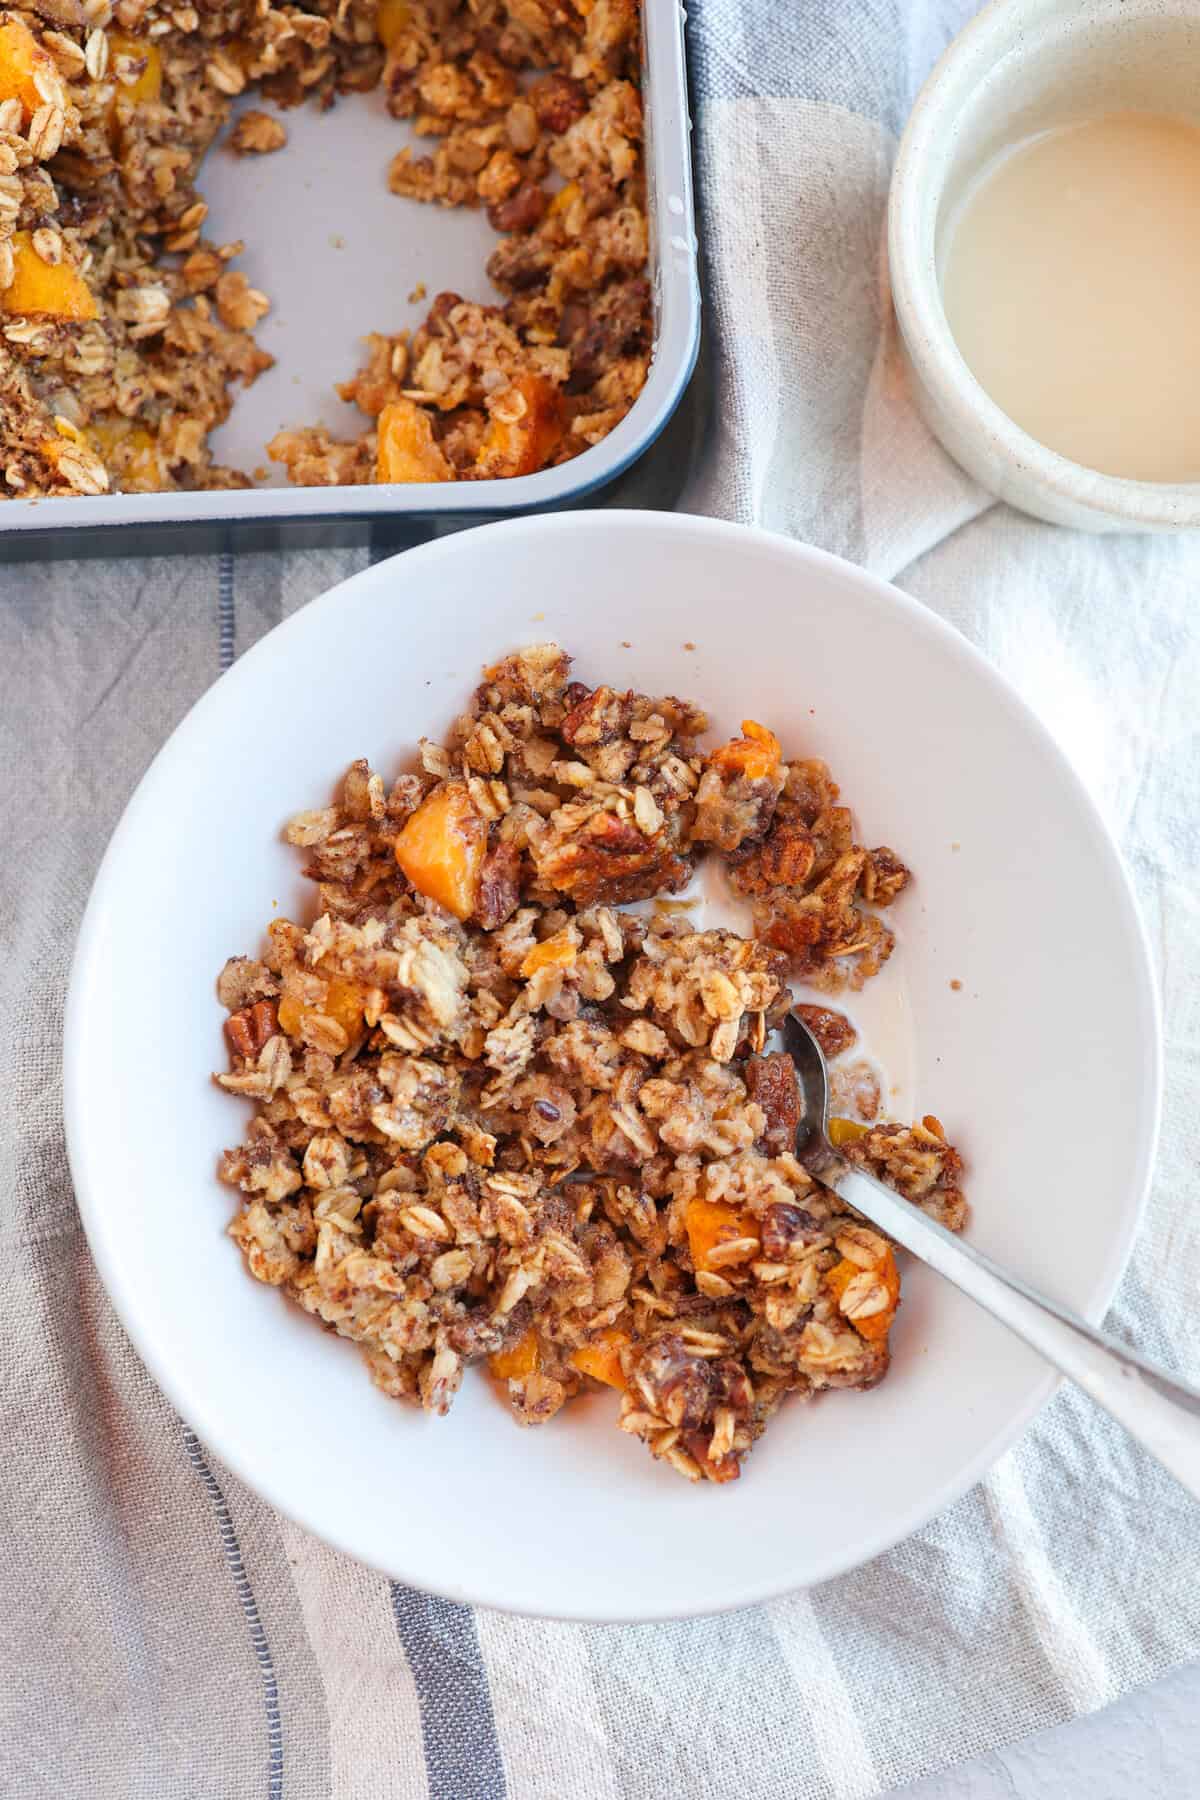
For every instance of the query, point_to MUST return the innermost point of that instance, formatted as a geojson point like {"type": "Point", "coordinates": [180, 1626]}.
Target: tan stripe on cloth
{"type": "Point", "coordinates": [375, 1748]}
{"type": "Point", "coordinates": [148, 1628]}
{"type": "Point", "coordinates": [547, 1714]}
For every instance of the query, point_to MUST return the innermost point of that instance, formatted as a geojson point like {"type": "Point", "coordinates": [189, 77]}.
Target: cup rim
{"type": "Point", "coordinates": [923, 155]}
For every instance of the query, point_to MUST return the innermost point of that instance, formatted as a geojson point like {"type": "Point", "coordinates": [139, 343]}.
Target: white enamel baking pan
{"type": "Point", "coordinates": [339, 256]}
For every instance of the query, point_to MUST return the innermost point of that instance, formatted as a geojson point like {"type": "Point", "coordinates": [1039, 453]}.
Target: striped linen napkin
{"type": "Point", "coordinates": [164, 1633]}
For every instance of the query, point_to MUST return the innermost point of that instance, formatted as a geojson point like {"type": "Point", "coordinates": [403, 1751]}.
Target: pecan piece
{"type": "Point", "coordinates": [499, 886]}
{"type": "Point", "coordinates": [558, 100]}
{"type": "Point", "coordinates": [832, 1030]}
{"type": "Point", "coordinates": [249, 1029]}
{"type": "Point", "coordinates": [519, 211]}
{"type": "Point", "coordinates": [680, 1383]}
{"type": "Point", "coordinates": [771, 1082]}
{"type": "Point", "coordinates": [787, 1229]}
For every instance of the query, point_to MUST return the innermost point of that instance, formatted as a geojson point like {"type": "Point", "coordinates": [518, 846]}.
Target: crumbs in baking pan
{"type": "Point", "coordinates": [125, 331]}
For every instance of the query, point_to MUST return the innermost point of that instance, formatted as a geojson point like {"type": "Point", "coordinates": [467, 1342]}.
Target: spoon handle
{"type": "Point", "coordinates": [1161, 1413]}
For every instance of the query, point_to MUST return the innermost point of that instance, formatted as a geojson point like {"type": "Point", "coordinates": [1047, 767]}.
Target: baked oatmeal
{"type": "Point", "coordinates": [125, 330]}
{"type": "Point", "coordinates": [507, 1112]}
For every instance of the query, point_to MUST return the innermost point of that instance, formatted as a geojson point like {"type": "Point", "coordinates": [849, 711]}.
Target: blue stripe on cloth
{"type": "Point", "coordinates": [226, 628]}
{"type": "Point", "coordinates": [245, 1593]}
{"type": "Point", "coordinates": [225, 610]}
{"type": "Point", "coordinates": [462, 1751]}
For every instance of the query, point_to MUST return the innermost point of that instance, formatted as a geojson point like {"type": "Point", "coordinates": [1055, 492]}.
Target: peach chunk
{"type": "Point", "coordinates": [291, 1015]}
{"type": "Point", "coordinates": [845, 1131]}
{"type": "Point", "coordinates": [520, 1359]}
{"type": "Point", "coordinates": [21, 59]}
{"type": "Point", "coordinates": [522, 436]}
{"type": "Point", "coordinates": [56, 290]}
{"type": "Point", "coordinates": [601, 1359]}
{"type": "Point", "coordinates": [756, 754]}
{"type": "Point", "coordinates": [565, 198]}
{"type": "Point", "coordinates": [138, 472]}
{"type": "Point", "coordinates": [391, 18]}
{"type": "Point", "coordinates": [557, 952]}
{"type": "Point", "coordinates": [343, 1003]}
{"type": "Point", "coordinates": [407, 451]}
{"type": "Point", "coordinates": [148, 85]}
{"type": "Point", "coordinates": [710, 1224]}
{"type": "Point", "coordinates": [876, 1288]}
{"type": "Point", "coordinates": [442, 848]}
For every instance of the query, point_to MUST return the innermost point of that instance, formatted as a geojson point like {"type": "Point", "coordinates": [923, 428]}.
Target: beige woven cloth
{"type": "Point", "coordinates": [162, 1632]}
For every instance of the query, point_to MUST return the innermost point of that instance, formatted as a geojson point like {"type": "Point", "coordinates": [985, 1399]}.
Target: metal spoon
{"type": "Point", "coordinates": [1161, 1413]}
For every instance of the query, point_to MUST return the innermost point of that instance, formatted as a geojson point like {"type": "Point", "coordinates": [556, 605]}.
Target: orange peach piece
{"type": "Point", "coordinates": [291, 1015]}
{"type": "Point", "coordinates": [21, 59]}
{"type": "Point", "coordinates": [520, 1359]}
{"type": "Point", "coordinates": [442, 847]}
{"type": "Point", "coordinates": [407, 451]}
{"type": "Point", "coordinates": [565, 197]}
{"type": "Point", "coordinates": [601, 1359]}
{"type": "Point", "coordinates": [876, 1327]}
{"type": "Point", "coordinates": [845, 1131]}
{"type": "Point", "coordinates": [56, 290]}
{"type": "Point", "coordinates": [710, 1223]}
{"type": "Point", "coordinates": [557, 952]}
{"type": "Point", "coordinates": [524, 437]}
{"type": "Point", "coordinates": [756, 754]}
{"type": "Point", "coordinates": [139, 461]}
{"type": "Point", "coordinates": [391, 18]}
{"type": "Point", "coordinates": [148, 85]}
{"type": "Point", "coordinates": [343, 1003]}
{"type": "Point", "coordinates": [837, 1280]}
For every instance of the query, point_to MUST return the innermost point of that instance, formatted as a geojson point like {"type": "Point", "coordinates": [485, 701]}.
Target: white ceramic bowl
{"type": "Point", "coordinates": [1020, 67]}
{"type": "Point", "coordinates": [1044, 1065]}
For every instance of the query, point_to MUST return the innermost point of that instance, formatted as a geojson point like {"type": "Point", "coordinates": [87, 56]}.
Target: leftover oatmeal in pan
{"type": "Point", "coordinates": [502, 1117]}
{"type": "Point", "coordinates": [124, 329]}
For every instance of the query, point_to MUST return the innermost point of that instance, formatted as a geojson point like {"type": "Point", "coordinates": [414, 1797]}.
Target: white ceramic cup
{"type": "Point", "coordinates": [1020, 67]}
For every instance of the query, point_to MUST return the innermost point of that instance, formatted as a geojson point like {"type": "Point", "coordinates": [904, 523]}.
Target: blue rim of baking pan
{"type": "Point", "coordinates": [671, 212]}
